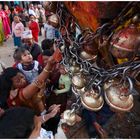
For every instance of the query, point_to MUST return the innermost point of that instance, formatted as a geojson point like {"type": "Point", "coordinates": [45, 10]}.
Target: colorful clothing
{"type": "Point", "coordinates": [8, 13]}
{"type": "Point", "coordinates": [1, 32]}
{"type": "Point", "coordinates": [13, 102]}
{"type": "Point", "coordinates": [34, 27]}
{"type": "Point", "coordinates": [17, 30]}
{"type": "Point", "coordinates": [51, 32]}
{"type": "Point", "coordinates": [64, 84]}
{"type": "Point", "coordinates": [17, 41]}
{"type": "Point", "coordinates": [5, 23]}
{"type": "Point", "coordinates": [31, 71]}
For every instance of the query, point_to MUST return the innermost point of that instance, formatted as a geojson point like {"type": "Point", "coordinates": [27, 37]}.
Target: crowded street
{"type": "Point", "coordinates": [69, 70]}
{"type": "Point", "coordinates": [6, 51]}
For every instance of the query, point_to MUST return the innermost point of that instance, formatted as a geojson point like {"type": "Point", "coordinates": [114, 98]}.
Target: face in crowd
{"type": "Point", "coordinates": [32, 18]}
{"type": "Point", "coordinates": [19, 81]}
{"type": "Point", "coordinates": [16, 19]}
{"type": "Point", "coordinates": [29, 42]}
{"type": "Point", "coordinates": [26, 57]}
{"type": "Point", "coordinates": [6, 7]}
{"type": "Point", "coordinates": [31, 6]}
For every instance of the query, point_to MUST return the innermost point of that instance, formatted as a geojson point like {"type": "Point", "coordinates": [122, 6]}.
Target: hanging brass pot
{"type": "Point", "coordinates": [54, 20]}
{"type": "Point", "coordinates": [78, 80]}
{"type": "Point", "coordinates": [117, 97]}
{"type": "Point", "coordinates": [70, 117]}
{"type": "Point", "coordinates": [125, 42]}
{"type": "Point", "coordinates": [109, 83]}
{"type": "Point", "coordinates": [92, 100]}
{"type": "Point", "coordinates": [86, 56]}
{"type": "Point", "coordinates": [74, 68]}
{"type": "Point", "coordinates": [78, 91]}
{"type": "Point", "coordinates": [89, 50]}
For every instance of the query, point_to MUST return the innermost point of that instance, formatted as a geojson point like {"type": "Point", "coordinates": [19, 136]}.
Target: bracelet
{"type": "Point", "coordinates": [47, 71]}
{"type": "Point", "coordinates": [43, 118]}
{"type": "Point", "coordinates": [38, 83]}
{"type": "Point", "coordinates": [40, 96]}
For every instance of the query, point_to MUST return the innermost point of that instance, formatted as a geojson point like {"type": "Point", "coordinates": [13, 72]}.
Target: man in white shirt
{"type": "Point", "coordinates": [31, 10]}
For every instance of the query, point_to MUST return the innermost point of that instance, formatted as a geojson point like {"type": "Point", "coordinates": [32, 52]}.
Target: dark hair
{"type": "Point", "coordinates": [17, 122]}
{"type": "Point", "coordinates": [15, 15]}
{"type": "Point", "coordinates": [47, 52]}
{"type": "Point", "coordinates": [6, 84]}
{"type": "Point", "coordinates": [31, 15]}
{"type": "Point", "coordinates": [18, 53]}
{"type": "Point", "coordinates": [47, 44]}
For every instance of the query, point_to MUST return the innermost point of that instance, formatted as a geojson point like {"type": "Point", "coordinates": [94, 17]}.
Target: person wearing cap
{"type": "Point", "coordinates": [17, 30]}
{"type": "Point", "coordinates": [30, 44]}
{"type": "Point", "coordinates": [51, 31]}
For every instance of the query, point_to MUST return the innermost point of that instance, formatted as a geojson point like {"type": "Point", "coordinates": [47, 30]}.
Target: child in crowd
{"type": "Point", "coordinates": [27, 65]}
{"type": "Point", "coordinates": [17, 30]}
{"type": "Point", "coordinates": [64, 83]}
{"type": "Point", "coordinates": [31, 70]}
{"type": "Point", "coordinates": [51, 31]}
{"type": "Point", "coordinates": [34, 27]}
{"type": "Point", "coordinates": [60, 86]}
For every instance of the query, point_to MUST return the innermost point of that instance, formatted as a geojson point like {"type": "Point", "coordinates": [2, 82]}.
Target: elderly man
{"type": "Point", "coordinates": [30, 45]}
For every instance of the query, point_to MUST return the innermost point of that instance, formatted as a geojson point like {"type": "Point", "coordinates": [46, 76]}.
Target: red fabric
{"type": "Point", "coordinates": [57, 55]}
{"type": "Point", "coordinates": [15, 65]}
{"type": "Point", "coordinates": [8, 12]}
{"type": "Point", "coordinates": [40, 60]}
{"type": "Point", "coordinates": [15, 101]}
{"type": "Point", "coordinates": [34, 27]}
{"type": "Point", "coordinates": [19, 9]}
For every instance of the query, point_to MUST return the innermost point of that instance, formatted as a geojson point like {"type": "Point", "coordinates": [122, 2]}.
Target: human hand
{"type": "Point", "coordinates": [54, 111]}
{"type": "Point", "coordinates": [53, 106]}
{"type": "Point", "coordinates": [100, 130]}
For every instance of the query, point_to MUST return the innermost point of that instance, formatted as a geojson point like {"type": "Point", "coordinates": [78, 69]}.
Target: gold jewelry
{"type": "Point", "coordinates": [47, 71]}
{"type": "Point", "coordinates": [38, 83]}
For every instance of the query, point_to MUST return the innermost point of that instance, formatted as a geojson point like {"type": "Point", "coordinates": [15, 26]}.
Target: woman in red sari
{"type": "Point", "coordinates": [34, 27]}
{"type": "Point", "coordinates": [8, 13]}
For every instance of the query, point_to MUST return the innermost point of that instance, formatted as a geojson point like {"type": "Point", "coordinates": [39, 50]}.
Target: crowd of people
{"type": "Point", "coordinates": [36, 77]}
{"type": "Point", "coordinates": [13, 21]}
{"type": "Point", "coordinates": [37, 85]}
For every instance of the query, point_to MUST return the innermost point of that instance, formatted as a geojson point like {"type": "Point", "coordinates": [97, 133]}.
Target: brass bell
{"type": "Point", "coordinates": [70, 117]}
{"type": "Point", "coordinates": [125, 42]}
{"type": "Point", "coordinates": [78, 91]}
{"type": "Point", "coordinates": [78, 81]}
{"type": "Point", "coordinates": [86, 56]}
{"type": "Point", "coordinates": [74, 68]}
{"type": "Point", "coordinates": [89, 50]}
{"type": "Point", "coordinates": [54, 19]}
{"type": "Point", "coordinates": [91, 100]}
{"type": "Point", "coordinates": [117, 97]}
{"type": "Point", "coordinates": [108, 83]}
{"type": "Point", "coordinates": [136, 19]}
